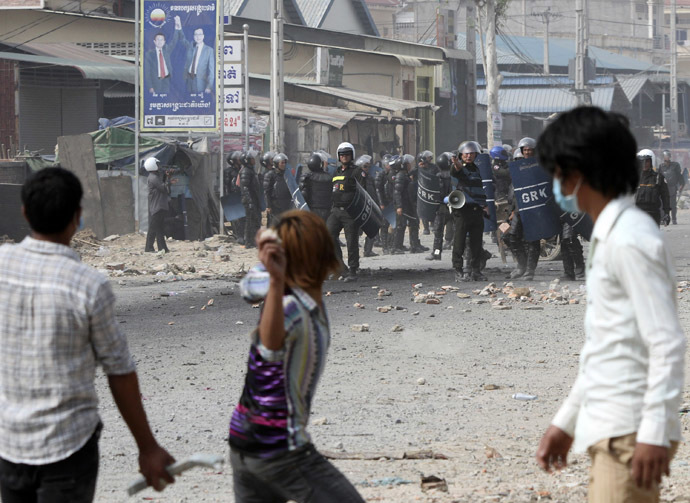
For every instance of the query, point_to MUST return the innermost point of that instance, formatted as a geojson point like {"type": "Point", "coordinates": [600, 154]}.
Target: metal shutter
{"type": "Point", "coordinates": [79, 111]}
{"type": "Point", "coordinates": [39, 118]}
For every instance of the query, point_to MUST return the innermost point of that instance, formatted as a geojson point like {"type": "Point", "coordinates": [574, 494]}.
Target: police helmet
{"type": "Point", "coordinates": [386, 159]}
{"type": "Point", "coordinates": [517, 154]}
{"type": "Point", "coordinates": [235, 156]}
{"type": "Point", "coordinates": [315, 162]}
{"type": "Point", "coordinates": [645, 153]}
{"type": "Point", "coordinates": [246, 156]}
{"type": "Point", "coordinates": [407, 159]}
{"type": "Point", "coordinates": [443, 161]}
{"type": "Point", "coordinates": [267, 159]}
{"type": "Point", "coordinates": [324, 155]}
{"type": "Point", "coordinates": [279, 157]}
{"type": "Point", "coordinates": [363, 160]}
{"type": "Point", "coordinates": [667, 154]}
{"type": "Point", "coordinates": [470, 147]}
{"type": "Point", "coordinates": [425, 156]}
{"type": "Point", "coordinates": [346, 148]}
{"type": "Point", "coordinates": [508, 148]}
{"type": "Point", "coordinates": [498, 152]}
{"type": "Point", "coordinates": [395, 162]}
{"type": "Point", "coordinates": [151, 164]}
{"type": "Point", "coordinates": [527, 142]}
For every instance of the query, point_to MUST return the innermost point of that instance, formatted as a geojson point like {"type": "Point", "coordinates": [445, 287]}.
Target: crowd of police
{"type": "Point", "coordinates": [458, 221]}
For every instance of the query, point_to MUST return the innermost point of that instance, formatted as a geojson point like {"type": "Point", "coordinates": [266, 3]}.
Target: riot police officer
{"type": "Point", "coordinates": [278, 196]}
{"type": "Point", "coordinates": [344, 190]}
{"type": "Point", "coordinates": [526, 252]}
{"type": "Point", "coordinates": [368, 182]}
{"type": "Point", "coordinates": [230, 184]}
{"type": "Point", "coordinates": [385, 183]}
{"type": "Point", "coordinates": [250, 188]}
{"type": "Point", "coordinates": [674, 180]}
{"type": "Point", "coordinates": [405, 199]}
{"type": "Point", "coordinates": [317, 186]}
{"type": "Point", "coordinates": [652, 192]}
{"type": "Point", "coordinates": [469, 219]}
{"type": "Point", "coordinates": [503, 184]}
{"type": "Point", "coordinates": [442, 212]}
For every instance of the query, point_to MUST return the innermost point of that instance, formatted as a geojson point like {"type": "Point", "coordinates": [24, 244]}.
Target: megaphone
{"type": "Point", "coordinates": [456, 200]}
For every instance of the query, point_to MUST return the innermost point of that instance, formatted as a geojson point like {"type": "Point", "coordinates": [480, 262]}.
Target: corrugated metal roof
{"type": "Point", "coordinates": [90, 70]}
{"type": "Point", "coordinates": [232, 7]}
{"type": "Point", "coordinates": [545, 80]}
{"type": "Point", "coordinates": [373, 100]}
{"type": "Point", "coordinates": [517, 50]}
{"type": "Point", "coordinates": [336, 117]}
{"type": "Point", "coordinates": [632, 86]}
{"type": "Point", "coordinates": [540, 100]}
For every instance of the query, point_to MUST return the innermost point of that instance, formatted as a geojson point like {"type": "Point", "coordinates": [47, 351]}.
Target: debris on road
{"type": "Point", "coordinates": [433, 482]}
{"type": "Point", "coordinates": [362, 327]}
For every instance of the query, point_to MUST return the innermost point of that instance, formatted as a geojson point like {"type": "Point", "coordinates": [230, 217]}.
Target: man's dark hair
{"type": "Point", "coordinates": [596, 143]}
{"type": "Point", "coordinates": [159, 33]}
{"type": "Point", "coordinates": [51, 197]}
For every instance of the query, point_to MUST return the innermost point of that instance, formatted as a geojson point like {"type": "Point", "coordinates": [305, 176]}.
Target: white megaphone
{"type": "Point", "coordinates": [456, 200]}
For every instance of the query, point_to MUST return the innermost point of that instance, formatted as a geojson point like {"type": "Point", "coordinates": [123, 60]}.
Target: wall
{"type": "Point", "coordinates": [342, 17]}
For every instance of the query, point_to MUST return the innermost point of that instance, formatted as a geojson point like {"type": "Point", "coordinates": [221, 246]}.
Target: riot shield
{"type": "Point", "coordinates": [297, 197]}
{"type": "Point", "coordinates": [535, 202]}
{"type": "Point", "coordinates": [365, 212]}
{"type": "Point", "coordinates": [389, 214]}
{"type": "Point", "coordinates": [483, 162]}
{"type": "Point", "coordinates": [580, 222]}
{"type": "Point", "coordinates": [428, 194]}
{"type": "Point", "coordinates": [233, 209]}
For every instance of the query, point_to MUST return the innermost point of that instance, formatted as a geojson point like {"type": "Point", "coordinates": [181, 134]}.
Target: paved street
{"type": "Point", "coordinates": [444, 383]}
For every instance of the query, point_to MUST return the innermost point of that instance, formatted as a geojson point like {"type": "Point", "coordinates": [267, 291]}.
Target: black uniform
{"type": "Point", "coordinates": [344, 188]}
{"type": "Point", "coordinates": [405, 198]}
{"type": "Point", "coordinates": [249, 187]}
{"type": "Point", "coordinates": [368, 182]}
{"type": "Point", "coordinates": [469, 220]}
{"type": "Point", "coordinates": [385, 186]}
{"type": "Point", "coordinates": [652, 195]}
{"type": "Point", "coordinates": [230, 179]}
{"type": "Point", "coordinates": [278, 197]}
{"type": "Point", "coordinates": [317, 188]}
{"type": "Point", "coordinates": [674, 180]}
{"type": "Point", "coordinates": [158, 209]}
{"type": "Point", "coordinates": [571, 253]}
{"type": "Point", "coordinates": [442, 213]}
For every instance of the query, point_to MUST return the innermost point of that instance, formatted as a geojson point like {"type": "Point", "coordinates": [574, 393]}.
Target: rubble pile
{"type": "Point", "coordinates": [123, 256]}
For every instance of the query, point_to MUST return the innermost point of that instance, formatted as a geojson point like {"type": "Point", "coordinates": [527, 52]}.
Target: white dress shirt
{"type": "Point", "coordinates": [631, 366]}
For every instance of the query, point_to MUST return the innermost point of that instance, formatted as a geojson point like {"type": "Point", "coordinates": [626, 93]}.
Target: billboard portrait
{"type": "Point", "coordinates": [179, 88]}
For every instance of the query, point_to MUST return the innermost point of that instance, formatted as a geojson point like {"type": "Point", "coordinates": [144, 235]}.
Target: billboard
{"type": "Point", "coordinates": [180, 67]}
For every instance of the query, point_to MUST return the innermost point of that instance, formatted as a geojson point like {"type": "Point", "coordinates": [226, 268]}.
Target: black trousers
{"type": "Point", "coordinates": [338, 220]}
{"type": "Point", "coordinates": [322, 212]}
{"type": "Point", "coordinates": [401, 222]}
{"type": "Point", "coordinates": [440, 223]}
{"type": "Point", "coordinates": [71, 480]}
{"type": "Point", "coordinates": [673, 199]}
{"type": "Point", "coordinates": [302, 475]}
{"type": "Point", "coordinates": [252, 222]}
{"type": "Point", "coordinates": [469, 222]}
{"type": "Point", "coordinates": [156, 231]}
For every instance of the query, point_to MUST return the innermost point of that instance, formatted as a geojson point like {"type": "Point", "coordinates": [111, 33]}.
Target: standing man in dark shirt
{"type": "Point", "coordinates": [344, 189]}
{"type": "Point", "coordinates": [316, 186]}
{"type": "Point", "coordinates": [652, 192]}
{"type": "Point", "coordinates": [231, 184]}
{"type": "Point", "coordinates": [158, 206]}
{"type": "Point", "coordinates": [278, 197]}
{"type": "Point", "coordinates": [674, 180]}
{"type": "Point", "coordinates": [469, 220]}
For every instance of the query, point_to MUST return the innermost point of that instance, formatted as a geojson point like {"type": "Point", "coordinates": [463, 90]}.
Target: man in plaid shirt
{"type": "Point", "coordinates": [57, 323]}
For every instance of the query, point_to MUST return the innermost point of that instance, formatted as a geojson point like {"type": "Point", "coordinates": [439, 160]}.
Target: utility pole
{"type": "Point", "coordinates": [487, 27]}
{"type": "Point", "coordinates": [583, 95]}
{"type": "Point", "coordinates": [471, 46]}
{"type": "Point", "coordinates": [546, 18]}
{"type": "Point", "coordinates": [277, 86]}
{"type": "Point", "coordinates": [673, 88]}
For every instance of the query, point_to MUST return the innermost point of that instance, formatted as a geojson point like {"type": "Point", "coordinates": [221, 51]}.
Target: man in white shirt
{"type": "Point", "coordinates": [623, 407]}
{"type": "Point", "coordinates": [57, 324]}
